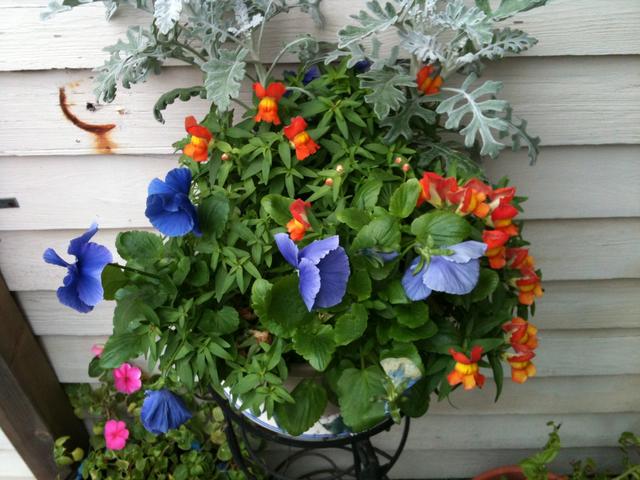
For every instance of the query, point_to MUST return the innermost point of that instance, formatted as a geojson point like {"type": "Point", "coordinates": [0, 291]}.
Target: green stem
{"type": "Point", "coordinates": [302, 90]}
{"type": "Point", "coordinates": [134, 270]}
{"type": "Point", "coordinates": [284, 50]}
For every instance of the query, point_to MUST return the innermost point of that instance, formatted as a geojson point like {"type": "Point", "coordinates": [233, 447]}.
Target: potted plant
{"type": "Point", "coordinates": [335, 225]}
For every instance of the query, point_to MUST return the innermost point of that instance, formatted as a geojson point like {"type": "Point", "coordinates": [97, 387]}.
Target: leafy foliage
{"type": "Point", "coordinates": [166, 14]}
{"type": "Point", "coordinates": [224, 75]}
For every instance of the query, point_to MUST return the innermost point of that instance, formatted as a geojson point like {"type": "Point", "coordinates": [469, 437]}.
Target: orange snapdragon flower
{"type": "Point", "coordinates": [198, 146]}
{"type": "Point", "coordinates": [529, 286]}
{"type": "Point", "coordinates": [297, 134]}
{"type": "Point", "coordinates": [269, 98]}
{"type": "Point", "coordinates": [429, 82]}
{"type": "Point", "coordinates": [299, 224]}
{"type": "Point", "coordinates": [523, 336]}
{"type": "Point", "coordinates": [519, 258]}
{"type": "Point", "coordinates": [471, 198]}
{"type": "Point", "coordinates": [496, 250]}
{"type": "Point", "coordinates": [521, 366]}
{"type": "Point", "coordinates": [466, 370]}
{"type": "Point", "coordinates": [436, 190]}
{"type": "Point", "coordinates": [501, 218]}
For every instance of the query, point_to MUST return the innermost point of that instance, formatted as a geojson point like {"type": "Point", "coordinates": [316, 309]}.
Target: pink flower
{"type": "Point", "coordinates": [97, 349]}
{"type": "Point", "coordinates": [127, 378]}
{"type": "Point", "coordinates": [115, 434]}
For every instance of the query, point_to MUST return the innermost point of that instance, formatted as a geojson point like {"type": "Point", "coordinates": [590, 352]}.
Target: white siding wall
{"type": "Point", "coordinates": [579, 89]}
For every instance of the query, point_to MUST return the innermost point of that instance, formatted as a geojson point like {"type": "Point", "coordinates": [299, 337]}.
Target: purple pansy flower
{"type": "Point", "coordinates": [162, 410]}
{"type": "Point", "coordinates": [311, 74]}
{"type": "Point", "coordinates": [456, 273]}
{"type": "Point", "coordinates": [82, 289]}
{"type": "Point", "coordinates": [168, 206]}
{"type": "Point", "coordinates": [323, 267]}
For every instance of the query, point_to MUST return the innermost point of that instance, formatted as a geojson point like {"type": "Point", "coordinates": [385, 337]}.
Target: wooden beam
{"type": "Point", "coordinates": [34, 409]}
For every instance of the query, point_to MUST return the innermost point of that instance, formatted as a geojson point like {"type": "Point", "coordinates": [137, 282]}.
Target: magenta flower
{"type": "Point", "coordinates": [97, 349]}
{"type": "Point", "coordinates": [323, 268]}
{"type": "Point", "coordinates": [82, 287]}
{"type": "Point", "coordinates": [115, 434]}
{"type": "Point", "coordinates": [126, 378]}
{"type": "Point", "coordinates": [456, 273]}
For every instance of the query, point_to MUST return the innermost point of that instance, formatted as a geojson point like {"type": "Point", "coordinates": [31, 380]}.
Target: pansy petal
{"type": "Point", "coordinates": [450, 277]}
{"type": "Point", "coordinates": [93, 259]}
{"type": "Point", "coordinates": [287, 248]}
{"type": "Point", "coordinates": [158, 187]}
{"type": "Point", "coordinates": [50, 256]}
{"type": "Point", "coordinates": [315, 251]}
{"type": "Point", "coordinates": [334, 275]}
{"type": "Point", "coordinates": [414, 285]}
{"type": "Point", "coordinates": [466, 251]}
{"type": "Point", "coordinates": [179, 179]}
{"type": "Point", "coordinates": [77, 244]}
{"type": "Point", "coordinates": [68, 295]}
{"type": "Point", "coordinates": [309, 285]}
{"type": "Point", "coordinates": [172, 224]}
{"type": "Point", "coordinates": [89, 289]}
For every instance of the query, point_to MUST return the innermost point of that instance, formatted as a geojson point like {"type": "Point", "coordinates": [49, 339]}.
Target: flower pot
{"type": "Point", "coordinates": [511, 472]}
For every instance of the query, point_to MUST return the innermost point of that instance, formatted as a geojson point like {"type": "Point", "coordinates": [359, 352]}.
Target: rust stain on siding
{"type": "Point", "coordinates": [103, 143]}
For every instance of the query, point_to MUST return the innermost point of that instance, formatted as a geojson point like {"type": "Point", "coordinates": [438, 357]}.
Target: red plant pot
{"type": "Point", "coordinates": [511, 472]}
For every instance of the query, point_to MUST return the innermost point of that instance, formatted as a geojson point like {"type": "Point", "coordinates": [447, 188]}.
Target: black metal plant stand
{"type": "Point", "coordinates": [366, 458]}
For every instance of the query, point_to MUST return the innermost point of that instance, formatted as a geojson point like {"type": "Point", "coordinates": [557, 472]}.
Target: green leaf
{"type": "Point", "coordinates": [487, 283]}
{"type": "Point", "coordinates": [166, 13]}
{"type": "Point", "coordinates": [403, 201]}
{"type": "Point", "coordinates": [446, 228]}
{"type": "Point", "coordinates": [221, 322]}
{"type": "Point", "coordinates": [386, 93]}
{"type": "Point", "coordinates": [277, 207]}
{"type": "Point", "coordinates": [378, 19]}
{"type": "Point", "coordinates": [400, 123]}
{"type": "Point", "coordinates": [184, 94]}
{"type": "Point", "coordinates": [316, 347]}
{"type": "Point", "coordinates": [359, 284]}
{"type": "Point", "coordinates": [360, 395]}
{"type": "Point", "coordinates": [310, 402]}
{"type": "Point", "coordinates": [498, 373]}
{"type": "Point", "coordinates": [350, 325]}
{"type": "Point", "coordinates": [401, 333]}
{"type": "Point", "coordinates": [464, 103]}
{"type": "Point", "coordinates": [412, 315]}
{"type": "Point", "coordinates": [119, 349]}
{"type": "Point", "coordinates": [367, 194]}
{"type": "Point", "coordinates": [285, 311]}
{"type": "Point", "coordinates": [353, 217]}
{"type": "Point", "coordinates": [142, 247]}
{"type": "Point", "coordinates": [198, 274]}
{"type": "Point", "coordinates": [113, 278]}
{"type": "Point", "coordinates": [213, 214]}
{"type": "Point", "coordinates": [403, 350]}
{"type": "Point", "coordinates": [284, 150]}
{"type": "Point", "coordinates": [382, 233]}
{"type": "Point", "coordinates": [224, 77]}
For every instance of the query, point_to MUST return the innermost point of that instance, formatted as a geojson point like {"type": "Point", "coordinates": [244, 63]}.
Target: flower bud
{"type": "Point", "coordinates": [225, 156]}
{"type": "Point", "coordinates": [398, 160]}
{"type": "Point", "coordinates": [328, 182]}
{"type": "Point", "coordinates": [340, 169]}
{"type": "Point", "coordinates": [77, 454]}
{"type": "Point", "coordinates": [406, 167]}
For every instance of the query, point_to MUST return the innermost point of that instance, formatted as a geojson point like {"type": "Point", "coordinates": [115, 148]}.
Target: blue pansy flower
{"type": "Point", "coordinates": [79, 471]}
{"type": "Point", "coordinates": [323, 267]}
{"type": "Point", "coordinates": [311, 74]}
{"type": "Point", "coordinates": [82, 289]}
{"type": "Point", "coordinates": [456, 273]}
{"type": "Point", "coordinates": [363, 66]}
{"type": "Point", "coordinates": [162, 410]}
{"type": "Point", "coordinates": [168, 206]}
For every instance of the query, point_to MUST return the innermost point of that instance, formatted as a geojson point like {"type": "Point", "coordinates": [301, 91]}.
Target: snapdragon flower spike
{"type": "Point", "coordinates": [436, 190]}
{"type": "Point", "coordinates": [501, 218]}
{"type": "Point", "coordinates": [521, 366]}
{"type": "Point", "coordinates": [198, 146]}
{"type": "Point", "coordinates": [162, 411]}
{"type": "Point", "coordinates": [323, 269]}
{"type": "Point", "coordinates": [297, 134]}
{"type": "Point", "coordinates": [428, 80]}
{"type": "Point", "coordinates": [466, 370]}
{"type": "Point", "coordinates": [519, 258]}
{"type": "Point", "coordinates": [496, 250]}
{"type": "Point", "coordinates": [299, 224]}
{"type": "Point", "coordinates": [82, 286]}
{"type": "Point", "coordinates": [522, 335]}
{"type": "Point", "coordinates": [471, 198]}
{"type": "Point", "coordinates": [168, 206]}
{"type": "Point", "coordinates": [456, 273]}
{"type": "Point", "coordinates": [269, 98]}
{"type": "Point", "coordinates": [529, 286]}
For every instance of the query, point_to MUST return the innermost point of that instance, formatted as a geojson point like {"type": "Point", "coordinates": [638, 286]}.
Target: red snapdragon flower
{"type": "Point", "coordinates": [466, 370]}
{"type": "Point", "coordinates": [436, 189]}
{"type": "Point", "coordinates": [299, 224]}
{"type": "Point", "coordinates": [522, 335]}
{"type": "Point", "coordinates": [521, 366]}
{"type": "Point", "coordinates": [428, 80]}
{"type": "Point", "coordinates": [529, 286]}
{"type": "Point", "coordinates": [198, 146]}
{"type": "Point", "coordinates": [269, 98]}
{"type": "Point", "coordinates": [496, 250]}
{"type": "Point", "coordinates": [297, 134]}
{"type": "Point", "coordinates": [471, 198]}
